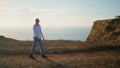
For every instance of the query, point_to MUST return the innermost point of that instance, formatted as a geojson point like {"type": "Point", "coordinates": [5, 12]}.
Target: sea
{"type": "Point", "coordinates": [68, 33]}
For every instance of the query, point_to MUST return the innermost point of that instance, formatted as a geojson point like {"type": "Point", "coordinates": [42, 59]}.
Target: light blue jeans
{"type": "Point", "coordinates": [34, 46]}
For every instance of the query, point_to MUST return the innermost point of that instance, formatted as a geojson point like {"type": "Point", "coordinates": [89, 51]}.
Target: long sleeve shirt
{"type": "Point", "coordinates": [37, 31]}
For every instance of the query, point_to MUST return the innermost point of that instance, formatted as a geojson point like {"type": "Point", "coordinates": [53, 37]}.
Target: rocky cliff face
{"type": "Point", "coordinates": [105, 30]}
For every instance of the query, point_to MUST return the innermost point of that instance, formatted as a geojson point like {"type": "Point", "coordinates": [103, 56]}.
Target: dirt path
{"type": "Point", "coordinates": [78, 60]}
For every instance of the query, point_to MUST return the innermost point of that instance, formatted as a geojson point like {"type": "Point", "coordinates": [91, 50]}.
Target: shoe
{"type": "Point", "coordinates": [31, 56]}
{"type": "Point", "coordinates": [44, 56]}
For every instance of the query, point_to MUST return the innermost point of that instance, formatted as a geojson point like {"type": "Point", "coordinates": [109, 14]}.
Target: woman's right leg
{"type": "Point", "coordinates": [33, 46]}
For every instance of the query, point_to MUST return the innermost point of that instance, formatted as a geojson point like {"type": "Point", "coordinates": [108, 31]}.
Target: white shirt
{"type": "Point", "coordinates": [37, 31]}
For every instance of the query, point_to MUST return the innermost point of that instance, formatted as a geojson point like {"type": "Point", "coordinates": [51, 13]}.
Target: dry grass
{"type": "Point", "coordinates": [61, 54]}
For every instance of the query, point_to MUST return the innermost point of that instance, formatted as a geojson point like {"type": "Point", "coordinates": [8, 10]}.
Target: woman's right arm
{"type": "Point", "coordinates": [35, 32]}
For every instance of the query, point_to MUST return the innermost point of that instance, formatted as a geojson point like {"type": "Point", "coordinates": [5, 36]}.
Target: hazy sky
{"type": "Point", "coordinates": [56, 13]}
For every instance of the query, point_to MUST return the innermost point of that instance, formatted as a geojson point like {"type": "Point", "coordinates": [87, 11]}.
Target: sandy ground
{"type": "Point", "coordinates": [61, 54]}
{"type": "Point", "coordinates": [105, 59]}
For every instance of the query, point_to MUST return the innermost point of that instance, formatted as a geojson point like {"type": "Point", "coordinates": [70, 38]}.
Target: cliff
{"type": "Point", "coordinates": [105, 30]}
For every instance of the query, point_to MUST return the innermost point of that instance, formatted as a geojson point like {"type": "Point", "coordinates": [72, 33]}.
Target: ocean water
{"type": "Point", "coordinates": [74, 33]}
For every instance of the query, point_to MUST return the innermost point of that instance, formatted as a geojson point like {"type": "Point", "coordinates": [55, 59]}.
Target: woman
{"type": "Point", "coordinates": [37, 38]}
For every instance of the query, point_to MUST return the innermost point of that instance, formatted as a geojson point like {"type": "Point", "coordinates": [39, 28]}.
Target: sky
{"type": "Point", "coordinates": [56, 13]}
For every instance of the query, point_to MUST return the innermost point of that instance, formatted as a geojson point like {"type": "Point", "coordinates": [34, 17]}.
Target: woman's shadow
{"type": "Point", "coordinates": [53, 63]}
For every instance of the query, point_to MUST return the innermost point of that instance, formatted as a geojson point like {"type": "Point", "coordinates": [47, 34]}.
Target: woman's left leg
{"type": "Point", "coordinates": [41, 47]}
